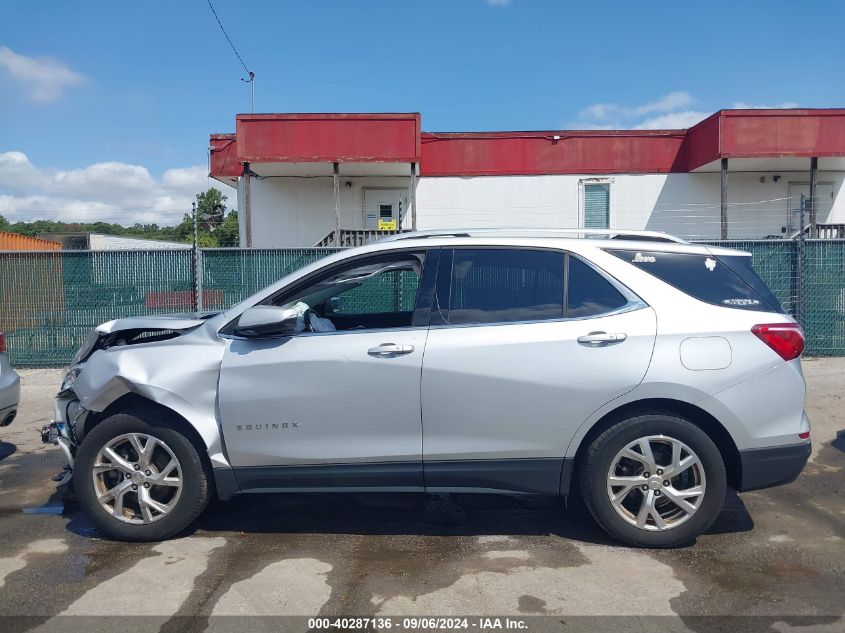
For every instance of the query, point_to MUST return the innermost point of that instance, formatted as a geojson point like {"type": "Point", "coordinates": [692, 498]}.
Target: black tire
{"type": "Point", "coordinates": [600, 455]}
{"type": "Point", "coordinates": [196, 478]}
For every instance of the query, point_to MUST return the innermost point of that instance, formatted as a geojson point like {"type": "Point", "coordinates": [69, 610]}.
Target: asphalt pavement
{"type": "Point", "coordinates": [773, 561]}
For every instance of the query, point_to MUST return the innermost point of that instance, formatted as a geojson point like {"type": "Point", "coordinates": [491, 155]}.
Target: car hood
{"type": "Point", "coordinates": [141, 329]}
{"type": "Point", "coordinates": [162, 322]}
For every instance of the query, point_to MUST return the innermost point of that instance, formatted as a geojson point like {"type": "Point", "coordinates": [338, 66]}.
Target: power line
{"type": "Point", "coordinates": [228, 39]}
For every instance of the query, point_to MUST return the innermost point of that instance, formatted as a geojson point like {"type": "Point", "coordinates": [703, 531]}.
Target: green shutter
{"type": "Point", "coordinates": [597, 206]}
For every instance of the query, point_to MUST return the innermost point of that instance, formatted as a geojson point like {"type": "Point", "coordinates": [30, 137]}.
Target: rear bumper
{"type": "Point", "coordinates": [10, 391]}
{"type": "Point", "coordinates": [767, 467]}
{"type": "Point", "coordinates": [7, 415]}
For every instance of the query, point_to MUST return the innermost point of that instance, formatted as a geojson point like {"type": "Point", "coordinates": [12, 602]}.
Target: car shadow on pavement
{"type": "Point", "coordinates": [839, 442]}
{"type": "Point", "coordinates": [7, 449]}
{"type": "Point", "coordinates": [425, 515]}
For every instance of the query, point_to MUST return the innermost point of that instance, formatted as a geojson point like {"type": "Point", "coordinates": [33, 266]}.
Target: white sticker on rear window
{"type": "Point", "coordinates": [740, 302]}
{"type": "Point", "coordinates": [710, 264]}
{"type": "Point", "coordinates": [639, 258]}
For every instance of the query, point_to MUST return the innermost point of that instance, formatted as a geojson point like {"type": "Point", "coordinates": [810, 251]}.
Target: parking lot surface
{"type": "Point", "coordinates": [775, 557]}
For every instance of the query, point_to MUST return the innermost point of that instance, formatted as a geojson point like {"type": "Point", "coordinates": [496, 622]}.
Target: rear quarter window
{"type": "Point", "coordinates": [729, 282]}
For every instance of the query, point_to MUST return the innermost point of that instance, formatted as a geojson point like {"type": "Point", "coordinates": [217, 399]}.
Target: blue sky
{"type": "Point", "coordinates": [106, 107]}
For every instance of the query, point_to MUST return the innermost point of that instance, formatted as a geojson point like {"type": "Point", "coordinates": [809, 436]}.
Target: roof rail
{"type": "Point", "coordinates": [651, 236]}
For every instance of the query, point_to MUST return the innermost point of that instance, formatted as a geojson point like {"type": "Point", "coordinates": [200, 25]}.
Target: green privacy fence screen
{"type": "Point", "coordinates": [49, 301]}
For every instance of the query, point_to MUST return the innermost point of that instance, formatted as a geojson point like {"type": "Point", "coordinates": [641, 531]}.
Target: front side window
{"type": "Point", "coordinates": [493, 285]}
{"type": "Point", "coordinates": [378, 293]}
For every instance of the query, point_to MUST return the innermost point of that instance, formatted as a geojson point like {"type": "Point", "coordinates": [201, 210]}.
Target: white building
{"type": "Point", "coordinates": [103, 242]}
{"type": "Point", "coordinates": [328, 179]}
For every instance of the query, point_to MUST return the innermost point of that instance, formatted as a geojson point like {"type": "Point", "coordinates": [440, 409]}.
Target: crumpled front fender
{"type": "Point", "coordinates": [180, 374]}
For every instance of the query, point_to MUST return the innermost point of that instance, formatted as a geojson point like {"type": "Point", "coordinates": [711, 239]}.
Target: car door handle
{"type": "Point", "coordinates": [390, 350]}
{"type": "Point", "coordinates": [601, 339]}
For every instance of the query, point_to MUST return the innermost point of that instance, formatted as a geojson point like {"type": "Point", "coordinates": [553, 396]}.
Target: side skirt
{"type": "Point", "coordinates": [503, 476]}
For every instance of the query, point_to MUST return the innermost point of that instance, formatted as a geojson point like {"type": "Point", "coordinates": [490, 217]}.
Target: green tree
{"type": "Point", "coordinates": [211, 208]}
{"type": "Point", "coordinates": [216, 227]}
{"type": "Point", "coordinates": [228, 232]}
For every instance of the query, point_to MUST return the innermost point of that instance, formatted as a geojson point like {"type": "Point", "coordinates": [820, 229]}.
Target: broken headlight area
{"type": "Point", "coordinates": [69, 379]}
{"type": "Point", "coordinates": [99, 340]}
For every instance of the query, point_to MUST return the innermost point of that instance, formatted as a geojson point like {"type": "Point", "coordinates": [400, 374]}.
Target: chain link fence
{"type": "Point", "coordinates": [49, 301]}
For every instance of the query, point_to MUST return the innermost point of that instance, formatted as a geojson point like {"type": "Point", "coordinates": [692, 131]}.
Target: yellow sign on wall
{"type": "Point", "coordinates": [387, 225]}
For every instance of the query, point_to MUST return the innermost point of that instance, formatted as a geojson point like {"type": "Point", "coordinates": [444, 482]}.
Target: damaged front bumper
{"type": "Point", "coordinates": [61, 432]}
{"type": "Point", "coordinates": [56, 433]}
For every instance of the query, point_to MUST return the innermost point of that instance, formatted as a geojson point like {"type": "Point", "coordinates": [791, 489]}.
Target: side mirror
{"type": "Point", "coordinates": [259, 321]}
{"type": "Point", "coordinates": [335, 304]}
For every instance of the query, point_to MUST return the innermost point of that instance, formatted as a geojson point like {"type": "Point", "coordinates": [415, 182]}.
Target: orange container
{"type": "Point", "coordinates": [15, 242]}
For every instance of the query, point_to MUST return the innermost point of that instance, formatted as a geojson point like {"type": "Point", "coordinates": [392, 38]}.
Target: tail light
{"type": "Point", "coordinates": [2, 342]}
{"type": "Point", "coordinates": [787, 339]}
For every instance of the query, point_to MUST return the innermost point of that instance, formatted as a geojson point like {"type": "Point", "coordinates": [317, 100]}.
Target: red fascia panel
{"type": "Point", "coordinates": [224, 156]}
{"type": "Point", "coordinates": [319, 138]}
{"type": "Point", "coordinates": [535, 153]}
{"type": "Point", "coordinates": [702, 143]}
{"type": "Point", "coordinates": [773, 133]}
{"type": "Point", "coordinates": [765, 134]}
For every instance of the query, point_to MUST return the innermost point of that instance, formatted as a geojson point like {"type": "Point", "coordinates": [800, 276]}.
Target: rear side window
{"type": "Point", "coordinates": [719, 281]}
{"type": "Point", "coordinates": [495, 285]}
{"type": "Point", "coordinates": [741, 266]}
{"type": "Point", "coordinates": [588, 293]}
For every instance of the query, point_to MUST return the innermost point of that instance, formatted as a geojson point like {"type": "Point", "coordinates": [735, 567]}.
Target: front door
{"type": "Point", "coordinates": [384, 208]}
{"type": "Point", "coordinates": [342, 392]}
{"type": "Point", "coordinates": [509, 376]}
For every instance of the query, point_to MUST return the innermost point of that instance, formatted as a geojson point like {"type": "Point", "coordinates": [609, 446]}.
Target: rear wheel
{"type": "Point", "coordinates": [654, 481]}
{"type": "Point", "coordinates": [140, 480]}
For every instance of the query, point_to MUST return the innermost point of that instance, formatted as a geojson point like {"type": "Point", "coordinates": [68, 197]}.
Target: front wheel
{"type": "Point", "coordinates": [138, 480]}
{"type": "Point", "coordinates": [654, 481]}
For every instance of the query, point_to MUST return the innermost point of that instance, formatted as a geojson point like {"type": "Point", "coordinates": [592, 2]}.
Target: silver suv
{"type": "Point", "coordinates": [644, 373]}
{"type": "Point", "coordinates": [10, 386]}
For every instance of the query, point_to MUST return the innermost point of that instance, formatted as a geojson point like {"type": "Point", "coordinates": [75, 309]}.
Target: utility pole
{"type": "Point", "coordinates": [799, 265]}
{"type": "Point", "coordinates": [811, 201]}
{"type": "Point", "coordinates": [336, 176]}
{"type": "Point", "coordinates": [724, 202]}
{"type": "Point", "coordinates": [251, 81]}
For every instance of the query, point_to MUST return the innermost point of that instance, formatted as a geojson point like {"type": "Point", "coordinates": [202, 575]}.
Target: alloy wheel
{"type": "Point", "coordinates": [137, 478]}
{"type": "Point", "coordinates": [656, 483]}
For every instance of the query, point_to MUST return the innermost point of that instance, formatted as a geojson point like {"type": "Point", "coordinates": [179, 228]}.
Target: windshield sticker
{"type": "Point", "coordinates": [740, 302]}
{"type": "Point", "coordinates": [639, 258]}
{"type": "Point", "coordinates": [710, 263]}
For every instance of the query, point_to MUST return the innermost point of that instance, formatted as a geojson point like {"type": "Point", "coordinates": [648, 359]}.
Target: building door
{"type": "Point", "coordinates": [384, 208]}
{"type": "Point", "coordinates": [824, 203]}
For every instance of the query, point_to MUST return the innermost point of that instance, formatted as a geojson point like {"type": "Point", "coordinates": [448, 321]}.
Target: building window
{"type": "Point", "coordinates": [596, 205]}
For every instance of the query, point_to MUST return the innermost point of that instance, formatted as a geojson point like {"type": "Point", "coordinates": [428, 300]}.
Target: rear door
{"type": "Point", "coordinates": [525, 344]}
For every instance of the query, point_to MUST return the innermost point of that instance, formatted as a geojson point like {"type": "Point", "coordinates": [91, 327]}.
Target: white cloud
{"type": "Point", "coordinates": [673, 120]}
{"type": "Point", "coordinates": [671, 111]}
{"type": "Point", "coordinates": [595, 114]}
{"type": "Point", "coordinates": [499, 3]}
{"type": "Point", "coordinates": [667, 103]}
{"type": "Point", "coordinates": [43, 78]}
{"type": "Point", "coordinates": [742, 105]}
{"type": "Point", "coordinates": [110, 191]}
